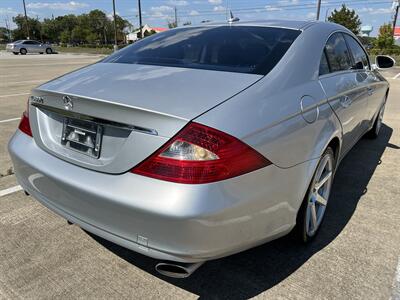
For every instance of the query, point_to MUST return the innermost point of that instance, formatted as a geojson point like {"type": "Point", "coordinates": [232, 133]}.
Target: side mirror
{"type": "Point", "coordinates": [384, 61]}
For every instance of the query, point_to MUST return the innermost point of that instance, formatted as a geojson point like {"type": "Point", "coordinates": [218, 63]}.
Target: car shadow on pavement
{"type": "Point", "coordinates": [254, 271]}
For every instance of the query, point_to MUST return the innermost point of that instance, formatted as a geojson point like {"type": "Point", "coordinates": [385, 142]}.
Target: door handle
{"type": "Point", "coordinates": [345, 101]}
{"type": "Point", "coordinates": [370, 91]}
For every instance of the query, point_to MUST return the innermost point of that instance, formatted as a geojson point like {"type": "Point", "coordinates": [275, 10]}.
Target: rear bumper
{"type": "Point", "coordinates": [163, 220]}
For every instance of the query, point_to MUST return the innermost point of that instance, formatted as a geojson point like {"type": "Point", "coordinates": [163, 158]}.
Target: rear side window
{"type": "Point", "coordinates": [337, 53]}
{"type": "Point", "coordinates": [243, 49]}
{"type": "Point", "coordinates": [360, 59]}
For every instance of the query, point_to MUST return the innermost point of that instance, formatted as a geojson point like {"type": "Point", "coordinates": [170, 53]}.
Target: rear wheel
{"type": "Point", "coordinates": [15, 53]}
{"type": "Point", "coordinates": [374, 132]}
{"type": "Point", "coordinates": [22, 51]}
{"type": "Point", "coordinates": [49, 51]}
{"type": "Point", "coordinates": [312, 210]}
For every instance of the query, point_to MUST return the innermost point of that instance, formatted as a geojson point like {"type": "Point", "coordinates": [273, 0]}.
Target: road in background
{"type": "Point", "coordinates": [355, 256]}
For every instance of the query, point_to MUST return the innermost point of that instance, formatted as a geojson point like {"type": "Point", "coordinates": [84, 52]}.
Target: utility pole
{"type": "Point", "coordinates": [115, 29]}
{"type": "Point", "coordinates": [395, 16]}
{"type": "Point", "coordinates": [26, 21]}
{"type": "Point", "coordinates": [176, 17]}
{"type": "Point", "coordinates": [318, 8]}
{"type": "Point", "coordinates": [140, 19]}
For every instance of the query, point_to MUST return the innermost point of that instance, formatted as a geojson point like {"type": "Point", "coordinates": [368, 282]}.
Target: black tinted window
{"type": "Point", "coordinates": [244, 49]}
{"type": "Point", "coordinates": [323, 66]}
{"type": "Point", "coordinates": [337, 52]}
{"type": "Point", "coordinates": [360, 60]}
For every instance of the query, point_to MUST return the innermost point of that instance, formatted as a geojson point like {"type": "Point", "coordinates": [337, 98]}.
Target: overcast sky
{"type": "Point", "coordinates": [158, 12]}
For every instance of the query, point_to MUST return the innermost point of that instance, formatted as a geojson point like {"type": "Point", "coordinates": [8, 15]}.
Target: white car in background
{"type": "Point", "coordinates": [29, 46]}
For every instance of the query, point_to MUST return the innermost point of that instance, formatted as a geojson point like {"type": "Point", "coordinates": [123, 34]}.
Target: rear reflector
{"type": "Point", "coordinates": [200, 154]}
{"type": "Point", "coordinates": [24, 125]}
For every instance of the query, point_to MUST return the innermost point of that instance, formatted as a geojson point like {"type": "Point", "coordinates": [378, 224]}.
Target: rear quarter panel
{"type": "Point", "coordinates": [268, 115]}
{"type": "Point", "coordinates": [274, 125]}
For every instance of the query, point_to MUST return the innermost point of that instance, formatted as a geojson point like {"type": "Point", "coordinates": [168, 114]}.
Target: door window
{"type": "Point", "coordinates": [337, 53]}
{"type": "Point", "coordinates": [360, 58]}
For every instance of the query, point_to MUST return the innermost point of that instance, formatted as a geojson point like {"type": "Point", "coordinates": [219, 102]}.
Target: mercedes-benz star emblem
{"type": "Point", "coordinates": [68, 104]}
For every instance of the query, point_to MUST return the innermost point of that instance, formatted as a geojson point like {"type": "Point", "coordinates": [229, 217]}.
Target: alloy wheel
{"type": "Point", "coordinates": [319, 194]}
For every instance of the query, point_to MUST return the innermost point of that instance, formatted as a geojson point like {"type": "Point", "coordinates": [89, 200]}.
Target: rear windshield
{"type": "Point", "coordinates": [243, 49]}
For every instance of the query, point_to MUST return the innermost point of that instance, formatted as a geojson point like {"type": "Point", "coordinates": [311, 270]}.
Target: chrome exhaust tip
{"type": "Point", "coordinates": [177, 270]}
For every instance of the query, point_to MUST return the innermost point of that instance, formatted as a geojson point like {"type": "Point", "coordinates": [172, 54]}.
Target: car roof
{"type": "Point", "coordinates": [290, 24]}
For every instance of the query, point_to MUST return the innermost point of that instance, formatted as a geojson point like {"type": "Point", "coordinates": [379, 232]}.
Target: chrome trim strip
{"type": "Point", "coordinates": [75, 115]}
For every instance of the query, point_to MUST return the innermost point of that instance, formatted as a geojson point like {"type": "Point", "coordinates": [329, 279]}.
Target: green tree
{"type": "Point", "coordinates": [94, 28]}
{"type": "Point", "coordinates": [65, 36]}
{"type": "Point", "coordinates": [347, 18]}
{"type": "Point", "coordinates": [385, 38]}
{"type": "Point", "coordinates": [148, 33]}
{"type": "Point", "coordinates": [92, 38]}
{"type": "Point", "coordinates": [4, 34]}
{"type": "Point", "coordinates": [20, 32]}
{"type": "Point", "coordinates": [172, 24]}
{"type": "Point", "coordinates": [79, 34]}
{"type": "Point", "coordinates": [50, 31]}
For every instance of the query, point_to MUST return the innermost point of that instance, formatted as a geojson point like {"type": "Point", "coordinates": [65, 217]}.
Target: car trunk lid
{"type": "Point", "coordinates": [132, 109]}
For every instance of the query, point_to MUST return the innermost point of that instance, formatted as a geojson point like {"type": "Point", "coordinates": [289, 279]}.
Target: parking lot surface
{"type": "Point", "coordinates": [355, 256]}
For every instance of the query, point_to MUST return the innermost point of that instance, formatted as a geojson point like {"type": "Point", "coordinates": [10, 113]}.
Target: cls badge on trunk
{"type": "Point", "coordinates": [68, 104]}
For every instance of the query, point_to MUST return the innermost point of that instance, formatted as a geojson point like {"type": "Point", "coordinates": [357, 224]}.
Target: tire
{"type": "Point", "coordinates": [312, 210]}
{"type": "Point", "coordinates": [374, 131]}
{"type": "Point", "coordinates": [49, 51]}
{"type": "Point", "coordinates": [23, 51]}
{"type": "Point", "coordinates": [15, 53]}
{"type": "Point", "coordinates": [40, 52]}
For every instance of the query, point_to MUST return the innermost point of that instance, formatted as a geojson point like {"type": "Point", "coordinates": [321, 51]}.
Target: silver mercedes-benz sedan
{"type": "Point", "coordinates": [200, 142]}
{"type": "Point", "coordinates": [29, 46]}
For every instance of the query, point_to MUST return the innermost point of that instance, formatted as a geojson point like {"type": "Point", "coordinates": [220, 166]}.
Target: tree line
{"type": "Point", "coordinates": [94, 28]}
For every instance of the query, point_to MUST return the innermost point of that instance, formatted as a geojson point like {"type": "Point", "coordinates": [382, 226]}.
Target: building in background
{"type": "Point", "coordinates": [147, 30]}
{"type": "Point", "coordinates": [397, 35]}
{"type": "Point", "coordinates": [366, 30]}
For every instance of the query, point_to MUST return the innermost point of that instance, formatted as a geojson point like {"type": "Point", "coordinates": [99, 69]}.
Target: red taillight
{"type": "Point", "coordinates": [200, 154]}
{"type": "Point", "coordinates": [24, 125]}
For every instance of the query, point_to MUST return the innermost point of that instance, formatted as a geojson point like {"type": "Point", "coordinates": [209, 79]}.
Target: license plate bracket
{"type": "Point", "coordinates": [82, 136]}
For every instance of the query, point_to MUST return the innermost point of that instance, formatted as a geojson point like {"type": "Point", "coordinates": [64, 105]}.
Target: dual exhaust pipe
{"type": "Point", "coordinates": [176, 269]}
